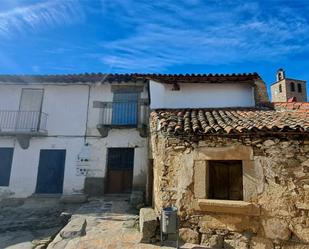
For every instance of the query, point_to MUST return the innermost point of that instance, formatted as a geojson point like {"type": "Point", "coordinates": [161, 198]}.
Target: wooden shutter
{"type": "Point", "coordinates": [225, 180]}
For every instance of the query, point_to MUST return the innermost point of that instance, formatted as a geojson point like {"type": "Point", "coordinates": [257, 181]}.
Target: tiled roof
{"type": "Point", "coordinates": [204, 78]}
{"type": "Point", "coordinates": [69, 78]}
{"type": "Point", "coordinates": [230, 121]}
{"type": "Point", "coordinates": [299, 106]}
{"type": "Point", "coordinates": [103, 77]}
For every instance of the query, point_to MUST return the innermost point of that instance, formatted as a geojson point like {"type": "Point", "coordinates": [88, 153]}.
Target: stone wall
{"type": "Point", "coordinates": [277, 183]}
{"type": "Point", "coordinates": [260, 92]}
{"type": "Point", "coordinates": [277, 96]}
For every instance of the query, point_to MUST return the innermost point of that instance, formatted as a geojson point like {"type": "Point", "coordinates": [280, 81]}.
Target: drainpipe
{"type": "Point", "coordinates": [87, 114]}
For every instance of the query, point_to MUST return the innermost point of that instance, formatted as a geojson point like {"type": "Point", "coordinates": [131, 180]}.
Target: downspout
{"type": "Point", "coordinates": [148, 92]}
{"type": "Point", "coordinates": [87, 114]}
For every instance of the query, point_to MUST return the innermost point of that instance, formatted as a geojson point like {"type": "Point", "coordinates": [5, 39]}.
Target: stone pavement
{"type": "Point", "coordinates": [107, 223]}
{"type": "Point", "coordinates": [30, 223]}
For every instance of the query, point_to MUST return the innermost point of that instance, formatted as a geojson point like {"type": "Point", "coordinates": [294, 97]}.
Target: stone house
{"type": "Point", "coordinates": [238, 174]}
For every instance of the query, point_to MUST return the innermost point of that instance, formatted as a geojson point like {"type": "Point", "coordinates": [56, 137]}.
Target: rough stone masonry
{"type": "Point", "coordinates": [275, 206]}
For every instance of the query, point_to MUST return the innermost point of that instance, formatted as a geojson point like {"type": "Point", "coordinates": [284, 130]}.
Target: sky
{"type": "Point", "coordinates": [166, 36]}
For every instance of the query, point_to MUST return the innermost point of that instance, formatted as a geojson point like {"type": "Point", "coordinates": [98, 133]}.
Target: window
{"type": "Point", "coordinates": [6, 157]}
{"type": "Point", "coordinates": [299, 87]}
{"type": "Point", "coordinates": [280, 88]}
{"type": "Point", "coordinates": [292, 86]}
{"type": "Point", "coordinates": [225, 180]}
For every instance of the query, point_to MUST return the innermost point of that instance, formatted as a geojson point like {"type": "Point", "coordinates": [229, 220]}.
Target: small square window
{"type": "Point", "coordinates": [225, 180]}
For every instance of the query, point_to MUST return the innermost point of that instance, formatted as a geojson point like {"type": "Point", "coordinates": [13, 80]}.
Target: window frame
{"type": "Point", "coordinates": [228, 165]}
{"type": "Point", "coordinates": [253, 179]}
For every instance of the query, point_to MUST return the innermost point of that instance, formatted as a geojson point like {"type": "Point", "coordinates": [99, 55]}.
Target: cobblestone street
{"type": "Point", "coordinates": [31, 223]}
{"type": "Point", "coordinates": [107, 223]}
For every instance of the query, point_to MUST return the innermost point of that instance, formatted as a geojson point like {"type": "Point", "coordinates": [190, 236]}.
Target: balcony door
{"type": "Point", "coordinates": [125, 109]}
{"type": "Point", "coordinates": [29, 115]}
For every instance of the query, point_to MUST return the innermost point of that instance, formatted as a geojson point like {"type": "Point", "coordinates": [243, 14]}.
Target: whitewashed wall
{"type": "Point", "coordinates": [25, 165]}
{"type": "Point", "coordinates": [200, 95]}
{"type": "Point", "coordinates": [128, 138]}
{"type": "Point", "coordinates": [66, 106]}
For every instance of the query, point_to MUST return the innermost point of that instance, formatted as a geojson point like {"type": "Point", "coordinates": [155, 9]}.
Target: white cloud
{"type": "Point", "coordinates": [167, 33]}
{"type": "Point", "coordinates": [38, 16]}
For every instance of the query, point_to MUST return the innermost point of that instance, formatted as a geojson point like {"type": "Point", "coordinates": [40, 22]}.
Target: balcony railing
{"type": "Point", "coordinates": [123, 114]}
{"type": "Point", "coordinates": [22, 122]}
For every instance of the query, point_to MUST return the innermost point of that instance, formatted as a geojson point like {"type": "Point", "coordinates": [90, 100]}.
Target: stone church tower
{"type": "Point", "coordinates": [285, 89]}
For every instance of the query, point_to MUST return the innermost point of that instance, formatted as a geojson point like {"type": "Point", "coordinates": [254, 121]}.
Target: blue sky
{"type": "Point", "coordinates": [183, 36]}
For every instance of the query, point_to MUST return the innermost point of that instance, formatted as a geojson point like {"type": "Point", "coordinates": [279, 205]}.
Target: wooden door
{"type": "Point", "coordinates": [6, 157]}
{"type": "Point", "coordinates": [120, 170]}
{"type": "Point", "coordinates": [51, 172]}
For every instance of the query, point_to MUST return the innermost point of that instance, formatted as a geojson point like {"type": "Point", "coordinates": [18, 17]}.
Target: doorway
{"type": "Point", "coordinates": [51, 172]}
{"type": "Point", "coordinates": [120, 162]}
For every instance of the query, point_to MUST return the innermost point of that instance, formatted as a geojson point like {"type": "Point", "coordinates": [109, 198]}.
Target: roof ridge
{"type": "Point", "coordinates": [109, 77]}
{"type": "Point", "coordinates": [136, 74]}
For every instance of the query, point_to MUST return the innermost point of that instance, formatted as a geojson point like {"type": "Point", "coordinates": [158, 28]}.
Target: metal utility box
{"type": "Point", "coordinates": [169, 220]}
{"type": "Point", "coordinates": [169, 223]}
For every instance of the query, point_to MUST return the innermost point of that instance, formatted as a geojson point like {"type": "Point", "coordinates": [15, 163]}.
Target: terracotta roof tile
{"type": "Point", "coordinates": [103, 77]}
{"type": "Point", "coordinates": [230, 121]}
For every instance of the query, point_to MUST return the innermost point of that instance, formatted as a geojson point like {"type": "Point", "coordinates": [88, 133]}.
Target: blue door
{"type": "Point", "coordinates": [6, 156]}
{"type": "Point", "coordinates": [51, 172]}
{"type": "Point", "coordinates": [125, 109]}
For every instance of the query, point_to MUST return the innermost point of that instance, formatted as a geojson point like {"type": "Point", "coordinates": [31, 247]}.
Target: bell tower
{"type": "Point", "coordinates": [285, 89]}
{"type": "Point", "coordinates": [280, 74]}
